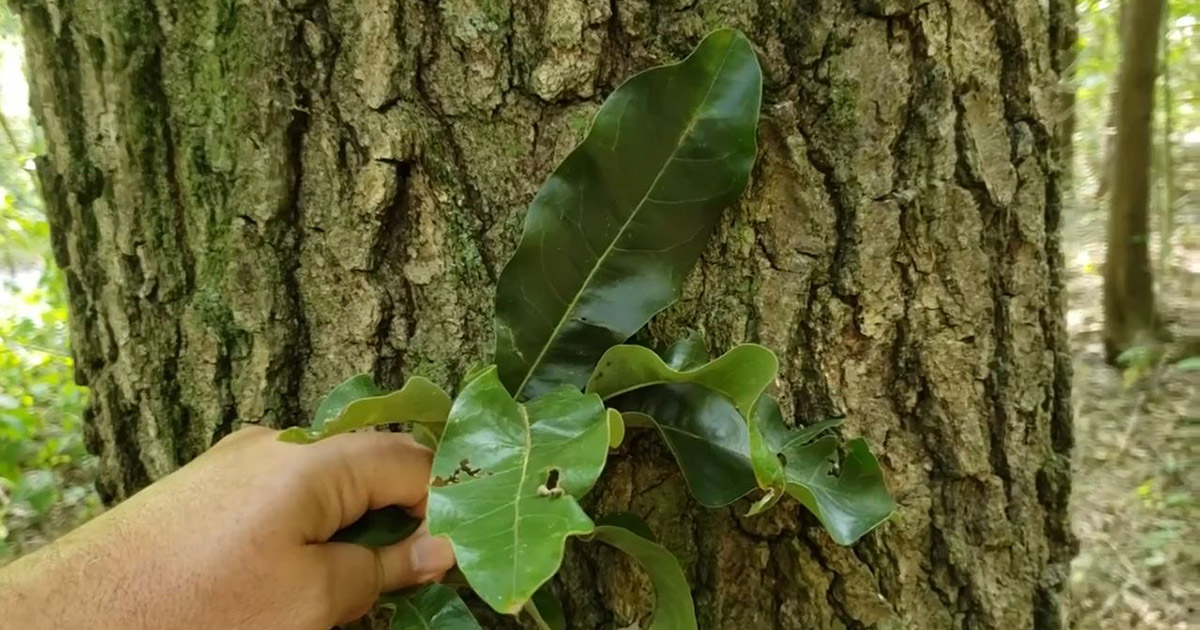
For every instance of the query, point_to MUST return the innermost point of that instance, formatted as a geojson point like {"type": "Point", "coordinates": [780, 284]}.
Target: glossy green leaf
{"type": "Point", "coordinates": [359, 403]}
{"type": "Point", "coordinates": [546, 610]}
{"type": "Point", "coordinates": [844, 488]}
{"type": "Point", "coordinates": [687, 353]}
{"type": "Point", "coordinates": [352, 389]}
{"type": "Point", "coordinates": [616, 428]}
{"type": "Point", "coordinates": [429, 607]}
{"type": "Point", "coordinates": [740, 375]}
{"type": "Point", "coordinates": [617, 227]}
{"type": "Point", "coordinates": [695, 404]}
{"type": "Point", "coordinates": [673, 605]}
{"type": "Point", "coordinates": [506, 479]}
{"type": "Point", "coordinates": [705, 433]}
{"type": "Point", "coordinates": [768, 436]}
{"type": "Point", "coordinates": [379, 528]}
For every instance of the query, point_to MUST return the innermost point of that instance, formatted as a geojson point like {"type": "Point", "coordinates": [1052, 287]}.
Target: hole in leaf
{"type": "Point", "coordinates": [465, 466]}
{"type": "Point", "coordinates": [551, 489]}
{"type": "Point", "coordinates": [835, 467]}
{"type": "Point", "coordinates": [782, 459]}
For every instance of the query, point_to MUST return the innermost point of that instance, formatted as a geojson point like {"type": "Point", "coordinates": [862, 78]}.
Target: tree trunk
{"type": "Point", "coordinates": [1110, 120]}
{"type": "Point", "coordinates": [1166, 225]}
{"type": "Point", "coordinates": [255, 200]}
{"type": "Point", "coordinates": [1130, 317]}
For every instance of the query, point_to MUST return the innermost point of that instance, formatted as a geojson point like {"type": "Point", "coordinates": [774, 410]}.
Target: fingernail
{"type": "Point", "coordinates": [431, 556]}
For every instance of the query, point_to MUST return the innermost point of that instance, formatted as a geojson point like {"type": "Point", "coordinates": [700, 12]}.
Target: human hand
{"type": "Point", "coordinates": [237, 540]}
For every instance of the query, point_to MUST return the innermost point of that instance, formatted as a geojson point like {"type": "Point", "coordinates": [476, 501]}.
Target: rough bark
{"type": "Point", "coordinates": [1130, 316]}
{"type": "Point", "coordinates": [253, 200]}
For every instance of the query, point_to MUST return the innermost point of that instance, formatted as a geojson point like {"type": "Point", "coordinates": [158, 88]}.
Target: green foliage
{"type": "Point", "coordinates": [1098, 51]}
{"type": "Point", "coordinates": [506, 479]}
{"type": "Point", "coordinates": [426, 607]}
{"type": "Point", "coordinates": [1190, 364]}
{"type": "Point", "coordinates": [1137, 362]}
{"type": "Point", "coordinates": [673, 607]}
{"type": "Point", "coordinates": [607, 244]}
{"type": "Point", "coordinates": [45, 471]}
{"type": "Point", "coordinates": [842, 486]}
{"type": "Point", "coordinates": [697, 406]}
{"type": "Point", "coordinates": [740, 375]}
{"type": "Point", "coordinates": [379, 528]}
{"type": "Point", "coordinates": [359, 403]}
{"type": "Point", "coordinates": [614, 231]}
{"type": "Point", "coordinates": [547, 610]}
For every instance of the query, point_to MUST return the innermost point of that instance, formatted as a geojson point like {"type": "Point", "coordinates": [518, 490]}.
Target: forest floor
{"type": "Point", "coordinates": [1134, 506]}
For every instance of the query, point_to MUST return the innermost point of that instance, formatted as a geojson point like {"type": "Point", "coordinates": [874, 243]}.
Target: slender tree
{"type": "Point", "coordinates": [1166, 226]}
{"type": "Point", "coordinates": [1130, 316]}
{"type": "Point", "coordinates": [254, 200]}
{"type": "Point", "coordinates": [1109, 154]}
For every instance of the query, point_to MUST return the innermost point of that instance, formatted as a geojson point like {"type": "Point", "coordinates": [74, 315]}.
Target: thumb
{"type": "Point", "coordinates": [358, 574]}
{"type": "Point", "coordinates": [417, 559]}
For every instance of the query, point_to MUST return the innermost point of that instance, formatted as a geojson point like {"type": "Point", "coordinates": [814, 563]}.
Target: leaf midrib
{"type": "Point", "coordinates": [417, 612]}
{"type": "Point", "coordinates": [632, 215]}
{"type": "Point", "coordinates": [517, 499]}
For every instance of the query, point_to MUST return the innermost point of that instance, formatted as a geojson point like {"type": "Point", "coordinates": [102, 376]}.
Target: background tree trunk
{"type": "Point", "coordinates": [254, 200]}
{"type": "Point", "coordinates": [1130, 316]}
{"type": "Point", "coordinates": [1166, 223]}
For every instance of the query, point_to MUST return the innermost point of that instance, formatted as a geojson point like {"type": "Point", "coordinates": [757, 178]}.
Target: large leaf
{"type": "Point", "coordinates": [844, 488]}
{"type": "Point", "coordinates": [705, 433]}
{"type": "Point", "coordinates": [359, 403]}
{"type": "Point", "coordinates": [673, 606]}
{"type": "Point", "coordinates": [695, 406]}
{"type": "Point", "coordinates": [429, 607]}
{"type": "Point", "coordinates": [506, 479]}
{"type": "Point", "coordinates": [617, 227]}
{"type": "Point", "coordinates": [768, 436]}
{"type": "Point", "coordinates": [740, 375]}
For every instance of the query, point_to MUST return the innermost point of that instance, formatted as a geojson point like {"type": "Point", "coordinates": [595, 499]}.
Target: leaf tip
{"type": "Point", "coordinates": [295, 435]}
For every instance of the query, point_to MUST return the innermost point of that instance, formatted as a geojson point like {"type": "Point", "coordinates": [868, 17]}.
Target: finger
{"type": "Point", "coordinates": [420, 509]}
{"type": "Point", "coordinates": [367, 471]}
{"type": "Point", "coordinates": [358, 575]}
{"type": "Point", "coordinates": [415, 560]}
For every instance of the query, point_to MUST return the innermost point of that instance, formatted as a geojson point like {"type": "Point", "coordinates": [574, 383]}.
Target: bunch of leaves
{"type": "Point", "coordinates": [44, 467]}
{"type": "Point", "coordinates": [43, 462]}
{"type": "Point", "coordinates": [1138, 362]}
{"type": "Point", "coordinates": [607, 244]}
